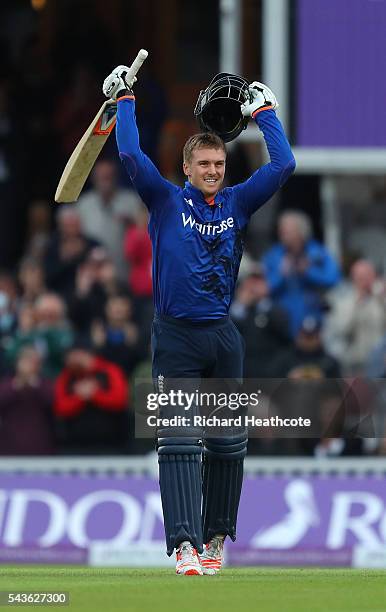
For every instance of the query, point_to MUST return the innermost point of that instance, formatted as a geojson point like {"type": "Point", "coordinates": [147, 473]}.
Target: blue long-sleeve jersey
{"type": "Point", "coordinates": [197, 248]}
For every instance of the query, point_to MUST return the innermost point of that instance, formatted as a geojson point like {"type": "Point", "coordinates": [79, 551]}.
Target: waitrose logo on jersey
{"type": "Point", "coordinates": [208, 229]}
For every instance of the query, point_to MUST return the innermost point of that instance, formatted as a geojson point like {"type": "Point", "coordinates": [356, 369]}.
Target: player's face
{"type": "Point", "coordinates": [206, 170]}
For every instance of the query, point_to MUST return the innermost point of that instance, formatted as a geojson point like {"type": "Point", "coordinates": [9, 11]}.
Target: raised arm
{"type": "Point", "coordinates": [148, 182]}
{"type": "Point", "coordinates": [263, 183]}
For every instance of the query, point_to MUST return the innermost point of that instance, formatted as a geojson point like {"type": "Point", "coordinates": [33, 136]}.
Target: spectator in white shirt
{"type": "Point", "coordinates": [106, 210]}
{"type": "Point", "coordinates": [357, 320]}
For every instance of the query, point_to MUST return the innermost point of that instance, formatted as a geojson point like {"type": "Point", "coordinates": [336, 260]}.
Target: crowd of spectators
{"type": "Point", "coordinates": [74, 324]}
{"type": "Point", "coordinates": [305, 321]}
{"type": "Point", "coordinates": [75, 328]}
{"type": "Point", "coordinates": [76, 290]}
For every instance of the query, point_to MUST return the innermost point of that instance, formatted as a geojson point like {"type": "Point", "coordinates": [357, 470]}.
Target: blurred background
{"type": "Point", "coordinates": [75, 280]}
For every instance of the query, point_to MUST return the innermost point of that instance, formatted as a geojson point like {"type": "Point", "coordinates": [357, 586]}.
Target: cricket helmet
{"type": "Point", "coordinates": [218, 108]}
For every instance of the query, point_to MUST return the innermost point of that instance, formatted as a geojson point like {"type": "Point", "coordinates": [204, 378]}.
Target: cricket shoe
{"type": "Point", "coordinates": [212, 557]}
{"type": "Point", "coordinates": [188, 563]}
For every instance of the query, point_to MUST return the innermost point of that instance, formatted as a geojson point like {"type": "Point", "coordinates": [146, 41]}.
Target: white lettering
{"type": "Point", "coordinates": [163, 399]}
{"type": "Point", "coordinates": [17, 513]}
{"type": "Point", "coordinates": [185, 221]}
{"type": "Point", "coordinates": [189, 398]}
{"type": "Point", "coordinates": [341, 521]}
{"type": "Point", "coordinates": [254, 399]}
{"type": "Point", "coordinates": [207, 228]}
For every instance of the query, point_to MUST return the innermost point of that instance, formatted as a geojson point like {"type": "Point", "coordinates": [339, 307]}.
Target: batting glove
{"type": "Point", "coordinates": [116, 84]}
{"type": "Point", "coordinates": [261, 98]}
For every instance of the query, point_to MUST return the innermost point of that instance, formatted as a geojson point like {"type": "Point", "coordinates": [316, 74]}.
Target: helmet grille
{"type": "Point", "coordinates": [222, 115]}
{"type": "Point", "coordinates": [218, 107]}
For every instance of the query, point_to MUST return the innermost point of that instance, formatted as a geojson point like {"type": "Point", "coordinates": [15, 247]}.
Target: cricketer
{"type": "Point", "coordinates": [197, 239]}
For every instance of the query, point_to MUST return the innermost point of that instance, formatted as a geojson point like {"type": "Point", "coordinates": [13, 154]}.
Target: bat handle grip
{"type": "Point", "coordinates": [135, 66]}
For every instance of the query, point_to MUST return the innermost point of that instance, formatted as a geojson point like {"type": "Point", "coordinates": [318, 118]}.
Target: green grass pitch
{"type": "Point", "coordinates": [234, 590]}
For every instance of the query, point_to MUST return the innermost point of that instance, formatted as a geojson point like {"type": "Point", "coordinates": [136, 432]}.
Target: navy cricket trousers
{"type": "Point", "coordinates": [199, 498]}
{"type": "Point", "coordinates": [183, 349]}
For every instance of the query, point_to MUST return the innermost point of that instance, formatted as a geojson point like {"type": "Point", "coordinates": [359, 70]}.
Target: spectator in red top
{"type": "Point", "coordinates": [138, 252]}
{"type": "Point", "coordinates": [91, 401]}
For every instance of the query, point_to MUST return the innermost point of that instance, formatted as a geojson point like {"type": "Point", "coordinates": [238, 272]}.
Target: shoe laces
{"type": "Point", "coordinates": [215, 546]}
{"type": "Point", "coordinates": [187, 551]}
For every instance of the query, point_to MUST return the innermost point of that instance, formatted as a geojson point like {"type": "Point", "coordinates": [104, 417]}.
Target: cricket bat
{"type": "Point", "coordinates": [90, 145]}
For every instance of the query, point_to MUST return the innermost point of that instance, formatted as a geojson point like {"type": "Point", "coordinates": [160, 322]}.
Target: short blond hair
{"type": "Point", "coordinates": [204, 140]}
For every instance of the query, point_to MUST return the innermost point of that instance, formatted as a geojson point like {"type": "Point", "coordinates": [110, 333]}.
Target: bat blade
{"type": "Point", "coordinates": [85, 154]}
{"type": "Point", "coordinates": [90, 145]}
